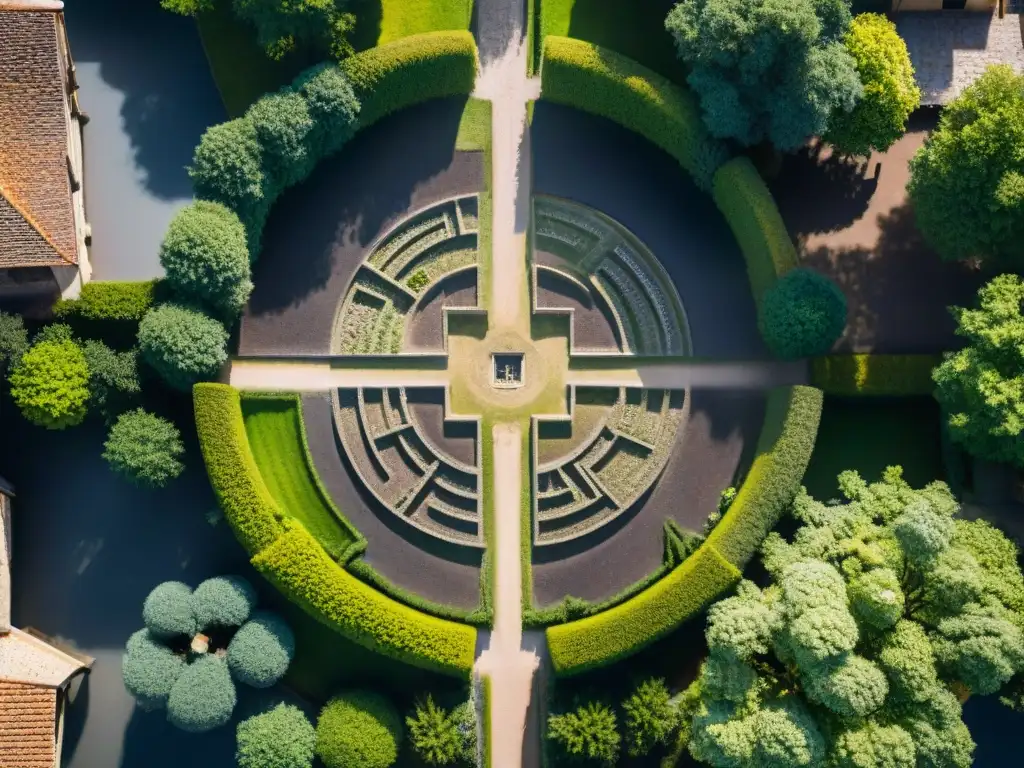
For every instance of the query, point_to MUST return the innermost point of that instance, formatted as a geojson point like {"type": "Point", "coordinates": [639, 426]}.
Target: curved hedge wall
{"type": "Point", "coordinates": [298, 566]}
{"type": "Point", "coordinates": [606, 83]}
{"type": "Point", "coordinates": [783, 452]}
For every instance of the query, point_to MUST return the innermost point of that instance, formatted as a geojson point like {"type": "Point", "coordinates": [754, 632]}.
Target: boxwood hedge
{"type": "Point", "coordinates": [894, 375]}
{"type": "Point", "coordinates": [606, 83]}
{"type": "Point", "coordinates": [605, 638]}
{"type": "Point", "coordinates": [742, 197]}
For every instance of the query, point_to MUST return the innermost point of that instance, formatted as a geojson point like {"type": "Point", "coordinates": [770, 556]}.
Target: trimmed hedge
{"type": "Point", "coordinates": [298, 566]}
{"type": "Point", "coordinates": [742, 197]}
{"type": "Point", "coordinates": [606, 83]}
{"type": "Point", "coordinates": [111, 310]}
{"type": "Point", "coordinates": [600, 640]}
{"type": "Point", "coordinates": [260, 652]}
{"type": "Point", "coordinates": [410, 70]}
{"type": "Point", "coordinates": [359, 728]}
{"type": "Point", "coordinates": [223, 601]}
{"type": "Point", "coordinates": [866, 375]}
{"type": "Point", "coordinates": [783, 452]}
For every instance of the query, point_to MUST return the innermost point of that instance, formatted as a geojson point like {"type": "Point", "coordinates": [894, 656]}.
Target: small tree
{"type": "Point", "coordinates": [281, 737]}
{"type": "Point", "coordinates": [588, 733]}
{"type": "Point", "coordinates": [167, 611]}
{"type": "Point", "coordinates": [651, 719]}
{"type": "Point", "coordinates": [981, 387]}
{"type": "Point", "coordinates": [260, 652]}
{"type": "Point", "coordinates": [283, 126]}
{"type": "Point", "coordinates": [802, 314]}
{"type": "Point", "coordinates": [890, 90]}
{"type": "Point", "coordinates": [149, 670]}
{"type": "Point", "coordinates": [203, 696]}
{"type": "Point", "coordinates": [320, 26]}
{"type": "Point", "coordinates": [358, 728]}
{"type": "Point", "coordinates": [183, 345]}
{"type": "Point", "coordinates": [144, 449]}
{"type": "Point", "coordinates": [434, 734]}
{"type": "Point", "coordinates": [333, 106]}
{"type": "Point", "coordinates": [967, 181]}
{"type": "Point", "coordinates": [113, 377]}
{"type": "Point", "coordinates": [206, 257]}
{"type": "Point", "coordinates": [13, 340]}
{"type": "Point", "coordinates": [223, 601]}
{"type": "Point", "coordinates": [50, 384]}
{"type": "Point", "coordinates": [187, 7]}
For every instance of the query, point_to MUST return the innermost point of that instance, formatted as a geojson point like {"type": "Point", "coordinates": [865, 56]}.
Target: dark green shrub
{"type": "Point", "coordinates": [434, 734]}
{"type": "Point", "coordinates": [223, 601]}
{"type": "Point", "coordinates": [417, 281]}
{"type": "Point", "coordinates": [883, 375]}
{"type": "Point", "coordinates": [802, 315]}
{"type": "Point", "coordinates": [586, 735]}
{"type": "Point", "coordinates": [111, 310]}
{"type": "Point", "coordinates": [283, 127]}
{"type": "Point", "coordinates": [150, 670]}
{"type": "Point", "coordinates": [260, 652]}
{"type": "Point", "coordinates": [55, 333]}
{"type": "Point", "coordinates": [332, 104]}
{"type": "Point", "coordinates": [183, 345]}
{"type": "Point", "coordinates": [203, 697]}
{"type": "Point", "coordinates": [281, 737]}
{"type": "Point", "coordinates": [206, 257]}
{"type": "Point", "coordinates": [50, 384]}
{"type": "Point", "coordinates": [358, 728]}
{"type": "Point", "coordinates": [145, 449]}
{"type": "Point", "coordinates": [603, 82]}
{"type": "Point", "coordinates": [13, 340]}
{"type": "Point", "coordinates": [319, 27]}
{"type": "Point", "coordinates": [113, 378]}
{"type": "Point", "coordinates": [650, 718]}
{"type": "Point", "coordinates": [167, 611]}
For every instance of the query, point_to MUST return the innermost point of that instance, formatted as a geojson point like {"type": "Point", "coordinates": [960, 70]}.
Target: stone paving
{"type": "Point", "coordinates": [950, 49]}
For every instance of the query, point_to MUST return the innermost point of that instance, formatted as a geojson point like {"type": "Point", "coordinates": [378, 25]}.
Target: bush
{"type": "Point", "coordinates": [203, 697]}
{"type": "Point", "coordinates": [283, 126]}
{"type": "Point", "coordinates": [183, 345]}
{"type": "Point", "coordinates": [223, 601]}
{"type": "Point", "coordinates": [802, 315]}
{"type": "Point", "coordinates": [865, 375]}
{"type": "Point", "coordinates": [280, 738]}
{"type": "Point", "coordinates": [890, 91]}
{"type": "Point", "coordinates": [314, 26]}
{"type": "Point", "coordinates": [206, 258]}
{"type": "Point", "coordinates": [150, 670]}
{"type": "Point", "coordinates": [358, 728]}
{"type": "Point", "coordinates": [144, 449]}
{"type": "Point", "coordinates": [332, 105]}
{"type": "Point", "coordinates": [411, 70]}
{"type": "Point", "coordinates": [50, 384]}
{"type": "Point", "coordinates": [167, 611]}
{"type": "Point", "coordinates": [13, 340]}
{"type": "Point", "coordinates": [748, 207]}
{"type": "Point", "coordinates": [650, 718]}
{"type": "Point", "coordinates": [434, 735]}
{"type": "Point", "coordinates": [110, 300]}
{"type": "Point", "coordinates": [588, 734]}
{"type": "Point", "coordinates": [113, 377]}
{"type": "Point", "coordinates": [260, 652]}
{"type": "Point", "coordinates": [606, 83]}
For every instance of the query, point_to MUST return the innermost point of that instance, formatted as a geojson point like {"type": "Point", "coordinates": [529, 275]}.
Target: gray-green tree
{"type": "Point", "coordinates": [144, 449]}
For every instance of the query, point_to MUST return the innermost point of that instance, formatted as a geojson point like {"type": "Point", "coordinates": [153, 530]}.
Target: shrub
{"type": "Point", "coordinates": [109, 300]}
{"type": "Point", "coordinates": [206, 258]}
{"type": "Point", "coordinates": [606, 83]}
{"type": "Point", "coordinates": [864, 375]}
{"type": "Point", "coordinates": [150, 670]}
{"type": "Point", "coordinates": [203, 697]}
{"type": "Point", "coordinates": [279, 738]}
{"type": "Point", "coordinates": [967, 181]}
{"type": "Point", "coordinates": [588, 734]}
{"type": "Point", "coordinates": [417, 281]}
{"type": "Point", "coordinates": [333, 106]}
{"type": "Point", "coordinates": [434, 734]}
{"type": "Point", "coordinates": [223, 601]}
{"type": "Point", "coordinates": [748, 207]}
{"type": "Point", "coordinates": [50, 384]}
{"type": "Point", "coordinates": [113, 377]}
{"type": "Point", "coordinates": [358, 728]}
{"type": "Point", "coordinates": [650, 719]}
{"type": "Point", "coordinates": [183, 345]}
{"type": "Point", "coordinates": [260, 652]}
{"type": "Point", "coordinates": [315, 26]}
{"type": "Point", "coordinates": [890, 91]}
{"type": "Point", "coordinates": [411, 70]}
{"type": "Point", "coordinates": [55, 333]}
{"type": "Point", "coordinates": [802, 315]}
{"type": "Point", "coordinates": [13, 339]}
{"type": "Point", "coordinates": [144, 449]}
{"type": "Point", "coordinates": [283, 126]}
{"type": "Point", "coordinates": [167, 611]}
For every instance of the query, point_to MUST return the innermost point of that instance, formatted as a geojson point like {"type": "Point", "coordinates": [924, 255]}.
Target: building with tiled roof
{"type": "Point", "coordinates": [43, 229]}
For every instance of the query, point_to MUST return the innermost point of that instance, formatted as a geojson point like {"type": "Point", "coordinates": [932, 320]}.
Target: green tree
{"type": "Point", "coordinates": [145, 449]}
{"type": "Point", "coordinates": [203, 697]}
{"type": "Point", "coordinates": [182, 344]}
{"type": "Point", "coordinates": [281, 737]}
{"type": "Point", "coordinates": [332, 104]}
{"type": "Point", "coordinates": [358, 728]}
{"type": "Point", "coordinates": [650, 717]}
{"type": "Point", "coordinates": [434, 734]}
{"type": "Point", "coordinates": [13, 340]}
{"type": "Point", "coordinates": [283, 127]}
{"type": "Point", "coordinates": [802, 315]}
{"type": "Point", "coordinates": [890, 91]}
{"type": "Point", "coordinates": [588, 733]}
{"type": "Point", "coordinates": [113, 377]}
{"type": "Point", "coordinates": [50, 384]}
{"type": "Point", "coordinates": [877, 608]}
{"type": "Point", "coordinates": [261, 650]}
{"type": "Point", "coordinates": [981, 387]}
{"type": "Point", "coordinates": [321, 27]}
{"type": "Point", "coordinates": [767, 70]}
{"type": "Point", "coordinates": [149, 670]}
{"type": "Point", "coordinates": [187, 7]}
{"type": "Point", "coordinates": [967, 181]}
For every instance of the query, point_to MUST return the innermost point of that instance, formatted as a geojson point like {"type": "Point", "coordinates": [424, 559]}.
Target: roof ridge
{"type": "Point", "coordinates": [30, 220]}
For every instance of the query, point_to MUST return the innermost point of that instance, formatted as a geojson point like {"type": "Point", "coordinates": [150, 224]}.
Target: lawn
{"type": "Point", "coordinates": [274, 427]}
{"type": "Point", "coordinates": [635, 28]}
{"type": "Point", "coordinates": [869, 434]}
{"type": "Point", "coordinates": [475, 127]}
{"type": "Point", "coordinates": [401, 18]}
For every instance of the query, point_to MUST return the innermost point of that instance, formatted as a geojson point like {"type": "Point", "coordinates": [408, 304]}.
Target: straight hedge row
{"type": "Point", "coordinates": [881, 375]}
{"type": "Point", "coordinates": [749, 208]}
{"type": "Point", "coordinates": [297, 564]}
{"type": "Point", "coordinates": [606, 83]}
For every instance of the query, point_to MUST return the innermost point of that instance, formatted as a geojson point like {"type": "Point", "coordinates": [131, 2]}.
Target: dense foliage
{"type": "Point", "coordinates": [50, 384]}
{"type": "Point", "coordinates": [767, 71]}
{"type": "Point", "coordinates": [149, 670]}
{"type": "Point", "coordinates": [967, 181]}
{"type": "Point", "coordinates": [260, 652]}
{"type": "Point", "coordinates": [332, 106]}
{"type": "Point", "coordinates": [442, 738]}
{"type": "Point", "coordinates": [111, 310]}
{"type": "Point", "coordinates": [802, 315]}
{"type": "Point", "coordinates": [223, 601]}
{"type": "Point", "coordinates": [890, 90]}
{"type": "Point", "coordinates": [204, 697]}
{"type": "Point", "coordinates": [650, 718]}
{"type": "Point", "coordinates": [281, 737]}
{"type": "Point", "coordinates": [876, 608]}
{"type": "Point", "coordinates": [320, 27]}
{"type": "Point", "coordinates": [145, 449]}
{"type": "Point", "coordinates": [358, 728]}
{"type": "Point", "coordinates": [114, 383]}
{"type": "Point", "coordinates": [13, 340]}
{"type": "Point", "coordinates": [182, 344]}
{"type": "Point", "coordinates": [587, 733]}
{"type": "Point", "coordinates": [981, 387]}
{"type": "Point", "coordinates": [167, 611]}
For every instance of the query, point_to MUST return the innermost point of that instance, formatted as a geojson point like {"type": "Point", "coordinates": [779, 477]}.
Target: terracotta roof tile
{"type": "Point", "coordinates": [28, 730]}
{"type": "Point", "coordinates": [37, 222]}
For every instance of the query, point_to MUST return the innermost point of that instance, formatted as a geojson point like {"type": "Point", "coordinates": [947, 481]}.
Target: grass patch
{"type": "Point", "coordinates": [278, 442]}
{"type": "Point", "coordinates": [475, 127]}
{"type": "Point", "coordinates": [869, 435]}
{"type": "Point", "coordinates": [401, 18]}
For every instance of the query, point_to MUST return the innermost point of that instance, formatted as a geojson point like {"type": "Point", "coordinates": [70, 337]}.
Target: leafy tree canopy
{"type": "Point", "coordinates": [587, 733]}
{"type": "Point", "coordinates": [320, 27]}
{"type": "Point", "coordinates": [281, 737]}
{"type": "Point", "coordinates": [802, 314]}
{"type": "Point", "coordinates": [50, 384]}
{"type": "Point", "coordinates": [145, 449]}
{"type": "Point", "coordinates": [13, 339]}
{"type": "Point", "coordinates": [183, 345]}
